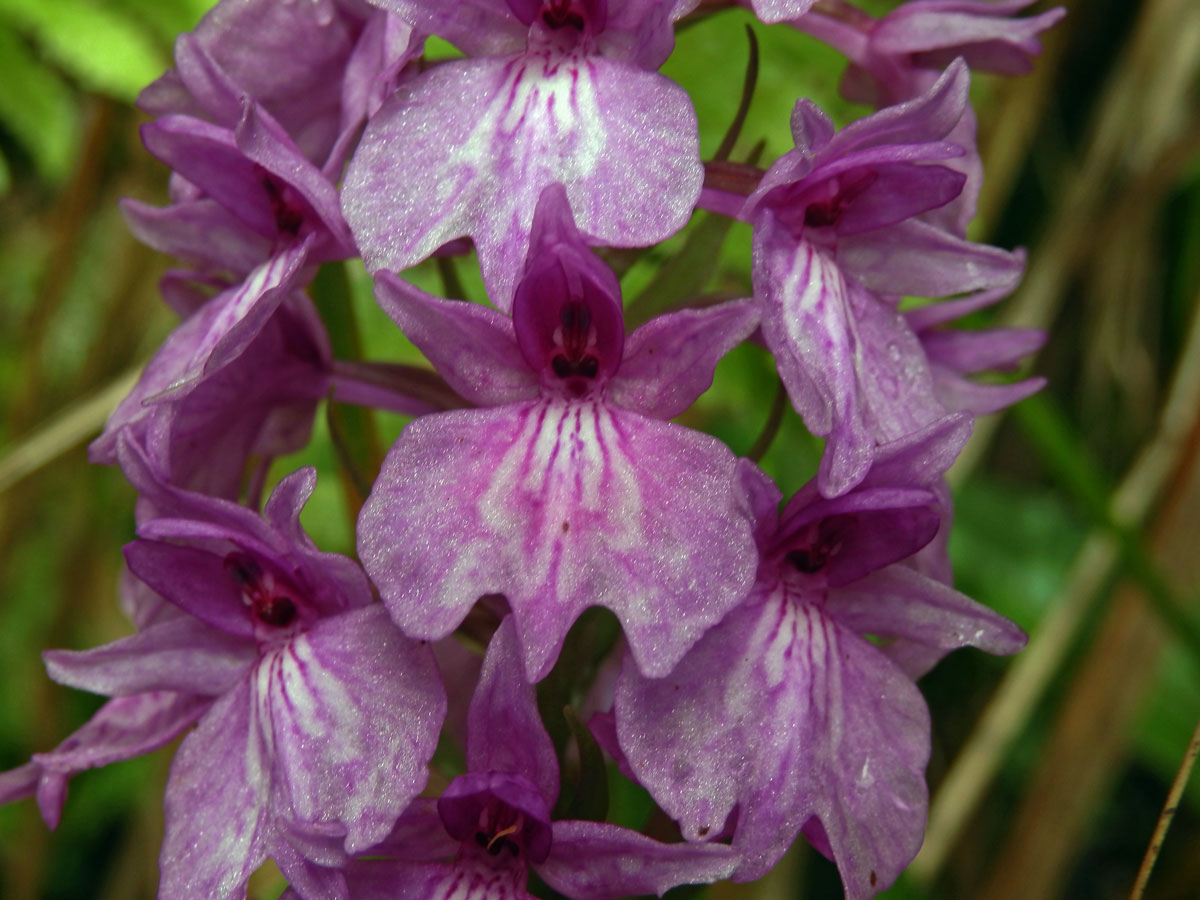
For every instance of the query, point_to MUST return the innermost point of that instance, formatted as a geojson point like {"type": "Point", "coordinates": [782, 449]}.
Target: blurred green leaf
{"type": "Point", "coordinates": [104, 49]}
{"type": "Point", "coordinates": [37, 108]}
{"type": "Point", "coordinates": [167, 18]}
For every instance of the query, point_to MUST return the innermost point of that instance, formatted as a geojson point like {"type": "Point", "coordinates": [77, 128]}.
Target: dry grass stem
{"type": "Point", "coordinates": [1167, 815]}
{"type": "Point", "coordinates": [975, 768]}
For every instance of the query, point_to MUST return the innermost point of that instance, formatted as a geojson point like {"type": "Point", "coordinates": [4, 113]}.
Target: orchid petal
{"type": "Point", "coordinates": [181, 654]}
{"type": "Point", "coordinates": [559, 506]}
{"type": "Point", "coordinates": [354, 710]}
{"type": "Point", "coordinates": [514, 126]}
{"type": "Point", "coordinates": [669, 361]}
{"type": "Point", "coordinates": [505, 731]}
{"type": "Point", "coordinates": [597, 861]}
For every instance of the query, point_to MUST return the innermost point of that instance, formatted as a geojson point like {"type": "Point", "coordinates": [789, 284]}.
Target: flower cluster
{"type": "Point", "coordinates": [762, 684]}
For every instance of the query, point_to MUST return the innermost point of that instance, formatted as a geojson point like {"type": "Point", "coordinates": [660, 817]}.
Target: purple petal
{"type": "Point", "coordinates": [808, 325]}
{"type": "Point", "coordinates": [462, 880]}
{"type": "Point", "coordinates": [181, 654]}
{"type": "Point", "coordinates": [866, 744]}
{"type": "Point", "coordinates": [929, 117]}
{"type": "Point", "coordinates": [957, 393]}
{"type": "Point", "coordinates": [559, 506]}
{"type": "Point", "coordinates": [771, 11]}
{"type": "Point", "coordinates": [265, 143]}
{"type": "Point", "coordinates": [901, 603]}
{"type": "Point", "coordinates": [596, 861]}
{"type": "Point", "coordinates": [669, 362]}
{"type": "Point", "coordinates": [977, 351]}
{"type": "Point", "coordinates": [201, 231]}
{"type": "Point", "coordinates": [471, 346]}
{"type": "Point", "coordinates": [515, 126]}
{"type": "Point", "coordinates": [714, 729]}
{"type": "Point", "coordinates": [505, 731]}
{"type": "Point", "coordinates": [938, 31]}
{"type": "Point", "coordinates": [289, 57]}
{"type": "Point", "coordinates": [918, 258]}
{"type": "Point", "coordinates": [196, 581]}
{"type": "Point", "coordinates": [309, 880]}
{"type": "Point", "coordinates": [477, 27]}
{"type": "Point", "coordinates": [354, 709]}
{"type": "Point", "coordinates": [217, 820]}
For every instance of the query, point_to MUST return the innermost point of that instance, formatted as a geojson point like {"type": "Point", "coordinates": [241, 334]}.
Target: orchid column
{"type": "Point", "coordinates": [393, 726]}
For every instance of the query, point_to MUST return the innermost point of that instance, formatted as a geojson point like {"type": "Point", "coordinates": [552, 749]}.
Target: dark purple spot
{"type": "Point", "coordinates": [808, 559]}
{"type": "Point", "coordinates": [575, 361]}
{"type": "Point", "coordinates": [823, 214]}
{"type": "Point", "coordinates": [278, 611]}
{"type": "Point", "coordinates": [289, 215]}
{"type": "Point", "coordinates": [874, 878]}
{"type": "Point", "coordinates": [268, 604]}
{"type": "Point", "coordinates": [568, 368]}
{"type": "Point", "coordinates": [558, 14]}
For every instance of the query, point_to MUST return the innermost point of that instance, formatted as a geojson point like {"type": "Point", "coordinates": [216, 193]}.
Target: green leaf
{"type": "Point", "coordinates": [166, 18]}
{"type": "Point", "coordinates": [104, 49]}
{"type": "Point", "coordinates": [37, 108]}
{"type": "Point", "coordinates": [590, 800]}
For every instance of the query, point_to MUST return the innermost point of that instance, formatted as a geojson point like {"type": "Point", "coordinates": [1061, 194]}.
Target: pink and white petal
{"type": "Point", "coordinates": [719, 728]}
{"type": "Point", "coordinates": [514, 126]}
{"type": "Point", "coordinates": [780, 10]}
{"type": "Point", "coordinates": [354, 709]}
{"type": "Point", "coordinates": [471, 346]}
{"type": "Point", "coordinates": [918, 258]}
{"type": "Point", "coordinates": [462, 880]}
{"type": "Point", "coordinates": [217, 803]}
{"type": "Point", "coordinates": [182, 654]}
{"type": "Point", "coordinates": [669, 362]}
{"type": "Point", "coordinates": [505, 730]}
{"type": "Point", "coordinates": [596, 861]}
{"type": "Point", "coordinates": [123, 728]}
{"type": "Point", "coordinates": [809, 327]}
{"type": "Point", "coordinates": [559, 506]}
{"type": "Point", "coordinates": [865, 743]}
{"type": "Point", "coordinates": [894, 378]}
{"type": "Point", "coordinates": [902, 603]}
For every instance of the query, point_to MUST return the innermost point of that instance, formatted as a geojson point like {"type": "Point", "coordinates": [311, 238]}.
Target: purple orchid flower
{"type": "Point", "coordinates": [555, 91]}
{"type": "Point", "coordinates": [954, 354]}
{"type": "Point", "coordinates": [286, 644]}
{"type": "Point", "coordinates": [898, 57]}
{"type": "Point", "coordinates": [121, 729]}
{"type": "Point", "coordinates": [841, 229]}
{"type": "Point", "coordinates": [895, 58]}
{"type": "Point", "coordinates": [492, 825]}
{"type": "Point", "coordinates": [785, 712]}
{"type": "Point", "coordinates": [317, 68]}
{"type": "Point", "coordinates": [261, 403]}
{"type": "Point", "coordinates": [565, 490]}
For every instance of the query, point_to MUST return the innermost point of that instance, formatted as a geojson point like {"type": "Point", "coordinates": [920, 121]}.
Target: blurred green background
{"type": "Point", "coordinates": [1078, 514]}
